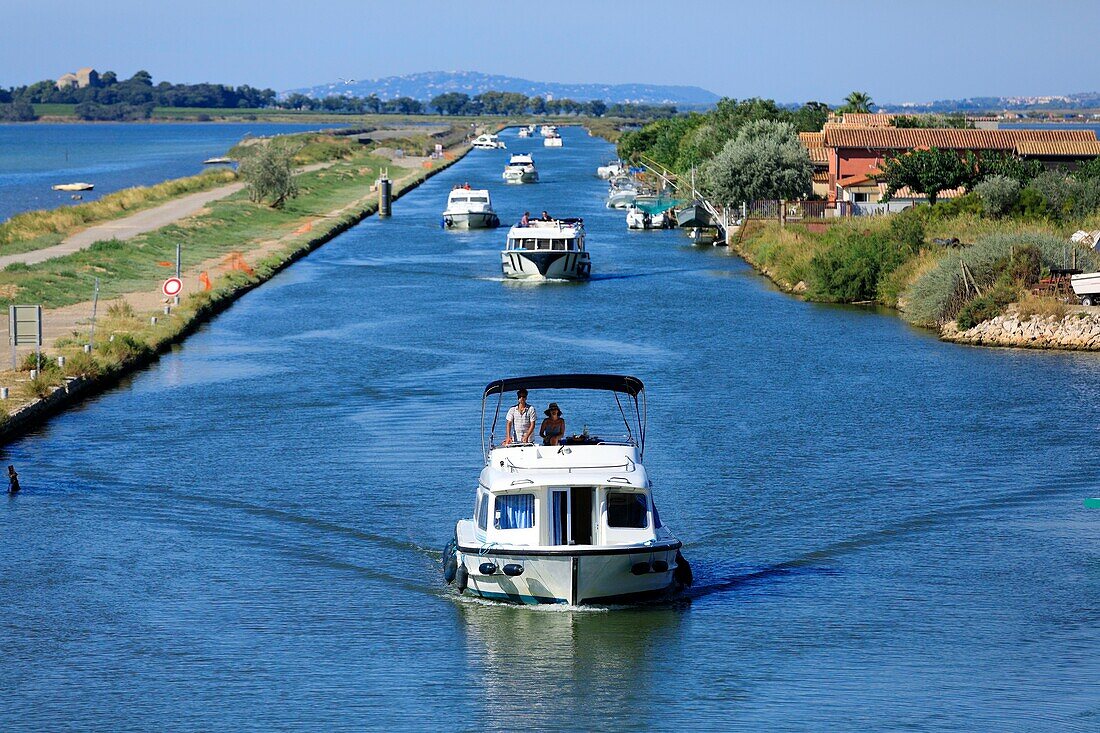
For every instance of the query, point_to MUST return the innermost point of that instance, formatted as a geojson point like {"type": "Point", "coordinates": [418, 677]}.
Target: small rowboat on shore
{"type": "Point", "coordinates": [218, 161]}
{"type": "Point", "coordinates": [73, 187]}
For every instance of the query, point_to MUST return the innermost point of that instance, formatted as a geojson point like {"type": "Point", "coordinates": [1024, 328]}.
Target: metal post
{"type": "Point", "coordinates": [176, 299]}
{"type": "Point", "coordinates": [95, 306]}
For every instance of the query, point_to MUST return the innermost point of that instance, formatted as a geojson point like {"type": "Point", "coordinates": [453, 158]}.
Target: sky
{"type": "Point", "coordinates": [791, 51]}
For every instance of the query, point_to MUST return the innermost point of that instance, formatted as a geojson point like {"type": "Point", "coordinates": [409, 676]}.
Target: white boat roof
{"type": "Point", "coordinates": [539, 229]}
{"type": "Point", "coordinates": [466, 193]}
{"type": "Point", "coordinates": [608, 464]}
{"type": "Point", "coordinates": [524, 158]}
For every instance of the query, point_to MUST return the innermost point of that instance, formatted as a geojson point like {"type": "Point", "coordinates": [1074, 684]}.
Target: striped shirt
{"type": "Point", "coordinates": [521, 420]}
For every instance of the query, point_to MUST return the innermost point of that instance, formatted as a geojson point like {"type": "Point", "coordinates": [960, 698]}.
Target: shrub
{"type": "Point", "coordinates": [999, 194]}
{"type": "Point", "coordinates": [269, 175]}
{"type": "Point", "coordinates": [938, 295]}
{"type": "Point", "coordinates": [1045, 307]}
{"type": "Point", "coordinates": [987, 305]}
{"type": "Point", "coordinates": [82, 365]}
{"type": "Point", "coordinates": [44, 383]}
{"type": "Point", "coordinates": [849, 270]}
{"type": "Point", "coordinates": [1024, 266]}
{"type": "Point", "coordinates": [123, 348]}
{"type": "Point", "coordinates": [907, 230]}
{"type": "Point", "coordinates": [1057, 191]}
{"type": "Point", "coordinates": [30, 361]}
{"type": "Point", "coordinates": [120, 309]}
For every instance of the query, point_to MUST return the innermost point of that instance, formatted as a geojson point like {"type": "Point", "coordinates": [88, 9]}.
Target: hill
{"type": "Point", "coordinates": [425, 85]}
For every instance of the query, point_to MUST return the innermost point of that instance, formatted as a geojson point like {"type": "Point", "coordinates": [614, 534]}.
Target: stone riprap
{"type": "Point", "coordinates": [1078, 330]}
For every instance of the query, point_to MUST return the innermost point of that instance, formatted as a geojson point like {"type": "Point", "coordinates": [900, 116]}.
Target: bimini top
{"type": "Point", "coordinates": [608, 382]}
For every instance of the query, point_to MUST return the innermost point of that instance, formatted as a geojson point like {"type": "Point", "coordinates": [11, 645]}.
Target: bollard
{"type": "Point", "coordinates": [153, 321]}
{"type": "Point", "coordinates": [385, 196]}
{"type": "Point", "coordinates": [167, 310]}
{"type": "Point", "coordinates": [87, 348]}
{"type": "Point", "coordinates": [61, 361]}
{"type": "Point", "coordinates": [112, 337]}
{"type": "Point", "coordinates": [176, 300]}
{"type": "Point", "coordinates": [34, 374]}
{"type": "Point", "coordinates": [13, 480]}
{"type": "Point", "coordinates": [3, 393]}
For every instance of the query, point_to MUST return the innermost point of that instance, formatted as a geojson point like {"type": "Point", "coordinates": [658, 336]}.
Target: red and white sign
{"type": "Point", "coordinates": [172, 286]}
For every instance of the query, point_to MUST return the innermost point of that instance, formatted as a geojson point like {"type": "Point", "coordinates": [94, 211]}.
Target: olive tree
{"type": "Point", "coordinates": [764, 161]}
{"type": "Point", "coordinates": [268, 175]}
{"type": "Point", "coordinates": [998, 194]}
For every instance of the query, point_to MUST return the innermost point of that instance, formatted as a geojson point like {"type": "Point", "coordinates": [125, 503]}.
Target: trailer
{"type": "Point", "coordinates": [1087, 287]}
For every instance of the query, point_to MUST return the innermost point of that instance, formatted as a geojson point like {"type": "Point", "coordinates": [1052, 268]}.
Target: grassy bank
{"type": "Point", "coordinates": [33, 230]}
{"type": "Point", "coordinates": [332, 200]}
{"type": "Point", "coordinates": [895, 261]}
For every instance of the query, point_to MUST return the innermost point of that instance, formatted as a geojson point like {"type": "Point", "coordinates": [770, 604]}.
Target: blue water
{"type": "Point", "coordinates": [112, 156]}
{"type": "Point", "coordinates": [887, 531]}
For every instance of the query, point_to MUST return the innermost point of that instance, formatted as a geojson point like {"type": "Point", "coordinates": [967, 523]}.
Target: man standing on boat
{"type": "Point", "coordinates": [521, 420]}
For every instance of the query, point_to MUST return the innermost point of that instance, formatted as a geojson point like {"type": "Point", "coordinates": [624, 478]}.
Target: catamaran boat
{"type": "Point", "coordinates": [521, 169]}
{"type": "Point", "coordinates": [488, 141]}
{"type": "Point", "coordinates": [546, 250]}
{"type": "Point", "coordinates": [612, 169]}
{"type": "Point", "coordinates": [469, 208]}
{"type": "Point", "coordinates": [573, 523]}
{"type": "Point", "coordinates": [552, 141]}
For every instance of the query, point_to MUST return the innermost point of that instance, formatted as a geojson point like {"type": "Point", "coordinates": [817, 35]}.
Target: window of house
{"type": "Point", "coordinates": [862, 198]}
{"type": "Point", "coordinates": [514, 511]}
{"type": "Point", "coordinates": [626, 509]}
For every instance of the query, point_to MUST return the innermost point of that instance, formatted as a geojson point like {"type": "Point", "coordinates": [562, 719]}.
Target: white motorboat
{"type": "Point", "coordinates": [552, 141]}
{"type": "Point", "coordinates": [612, 169]}
{"type": "Point", "coordinates": [548, 130]}
{"type": "Point", "coordinates": [573, 523]}
{"type": "Point", "coordinates": [488, 141]}
{"type": "Point", "coordinates": [79, 186]}
{"type": "Point", "coordinates": [469, 208]}
{"type": "Point", "coordinates": [524, 132]}
{"type": "Point", "coordinates": [520, 169]}
{"type": "Point", "coordinates": [546, 250]}
{"type": "Point", "coordinates": [639, 219]}
{"type": "Point", "coordinates": [1086, 286]}
{"type": "Point", "coordinates": [220, 160]}
{"type": "Point", "coordinates": [621, 193]}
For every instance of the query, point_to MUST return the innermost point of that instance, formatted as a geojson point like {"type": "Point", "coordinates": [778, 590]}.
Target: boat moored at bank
{"type": "Point", "coordinates": [488, 141]}
{"type": "Point", "coordinates": [571, 522]}
{"type": "Point", "coordinates": [546, 250]}
{"type": "Point", "coordinates": [469, 208]}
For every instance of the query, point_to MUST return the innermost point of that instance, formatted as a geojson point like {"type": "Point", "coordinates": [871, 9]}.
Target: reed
{"type": "Point", "coordinates": [45, 225]}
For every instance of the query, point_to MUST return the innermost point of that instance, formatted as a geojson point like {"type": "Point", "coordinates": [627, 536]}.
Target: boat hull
{"type": "Point", "coordinates": [471, 220]}
{"type": "Point", "coordinates": [531, 176]}
{"type": "Point", "coordinates": [575, 577]}
{"type": "Point", "coordinates": [621, 199]}
{"type": "Point", "coordinates": [544, 265]}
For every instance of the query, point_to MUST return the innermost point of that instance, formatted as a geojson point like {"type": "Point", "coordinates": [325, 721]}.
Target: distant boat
{"type": "Point", "coordinates": [218, 161]}
{"type": "Point", "coordinates": [79, 186]}
{"type": "Point", "coordinates": [488, 141]}
{"type": "Point", "coordinates": [521, 169]}
{"type": "Point", "coordinates": [552, 141]}
{"type": "Point", "coordinates": [469, 208]}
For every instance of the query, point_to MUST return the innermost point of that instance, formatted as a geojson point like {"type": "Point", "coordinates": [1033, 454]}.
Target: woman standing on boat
{"type": "Point", "coordinates": [553, 427]}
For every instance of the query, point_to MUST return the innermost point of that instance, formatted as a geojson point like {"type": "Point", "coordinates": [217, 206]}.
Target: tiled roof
{"type": "Point", "coordinates": [812, 139]}
{"type": "Point", "coordinates": [819, 156]}
{"type": "Point", "coordinates": [1067, 148]}
{"type": "Point", "coordinates": [868, 119]}
{"type": "Point", "coordinates": [907, 193]}
{"type": "Point", "coordinates": [891, 138]}
{"type": "Point", "coordinates": [821, 176]}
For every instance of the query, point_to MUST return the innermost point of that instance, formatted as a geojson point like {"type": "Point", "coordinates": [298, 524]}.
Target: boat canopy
{"type": "Point", "coordinates": [656, 204]}
{"type": "Point", "coordinates": [617, 384]}
{"type": "Point", "coordinates": [609, 382]}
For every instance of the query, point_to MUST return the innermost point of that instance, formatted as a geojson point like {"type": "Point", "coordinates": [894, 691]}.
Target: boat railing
{"type": "Point", "coordinates": [628, 466]}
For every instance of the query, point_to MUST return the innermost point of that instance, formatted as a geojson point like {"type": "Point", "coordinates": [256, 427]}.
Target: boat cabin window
{"type": "Point", "coordinates": [482, 510]}
{"type": "Point", "coordinates": [479, 200]}
{"type": "Point", "coordinates": [514, 511]}
{"type": "Point", "coordinates": [626, 509]}
{"type": "Point", "coordinates": [459, 199]}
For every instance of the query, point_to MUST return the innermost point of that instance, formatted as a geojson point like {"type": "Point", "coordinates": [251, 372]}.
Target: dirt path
{"type": "Point", "coordinates": [134, 224]}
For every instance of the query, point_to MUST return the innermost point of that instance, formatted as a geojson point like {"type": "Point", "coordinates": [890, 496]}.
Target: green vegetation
{"type": "Point", "coordinates": [681, 143]}
{"type": "Point", "coordinates": [859, 102]}
{"type": "Point", "coordinates": [933, 121]}
{"type": "Point", "coordinates": [230, 225]}
{"type": "Point", "coordinates": [268, 174]}
{"type": "Point", "coordinates": [764, 161]}
{"type": "Point", "coordinates": [926, 171]}
{"type": "Point", "coordinates": [36, 229]}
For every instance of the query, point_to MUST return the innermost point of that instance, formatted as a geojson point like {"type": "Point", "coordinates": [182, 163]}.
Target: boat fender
{"type": "Point", "coordinates": [513, 569]}
{"type": "Point", "coordinates": [450, 562]}
{"type": "Point", "coordinates": [639, 568]}
{"type": "Point", "coordinates": [487, 568]}
{"type": "Point", "coordinates": [682, 574]}
{"type": "Point", "coordinates": [462, 578]}
{"type": "Point", "coordinates": [660, 566]}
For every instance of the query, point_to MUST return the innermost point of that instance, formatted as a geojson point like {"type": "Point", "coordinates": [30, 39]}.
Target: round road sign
{"type": "Point", "coordinates": [172, 286]}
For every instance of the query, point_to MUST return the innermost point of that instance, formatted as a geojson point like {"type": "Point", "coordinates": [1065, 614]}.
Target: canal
{"type": "Point", "coordinates": [887, 531]}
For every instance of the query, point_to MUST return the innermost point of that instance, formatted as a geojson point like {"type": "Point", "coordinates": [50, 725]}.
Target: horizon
{"type": "Point", "coordinates": [177, 44]}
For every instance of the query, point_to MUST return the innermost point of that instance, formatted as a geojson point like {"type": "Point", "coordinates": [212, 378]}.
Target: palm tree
{"type": "Point", "coordinates": [858, 102]}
